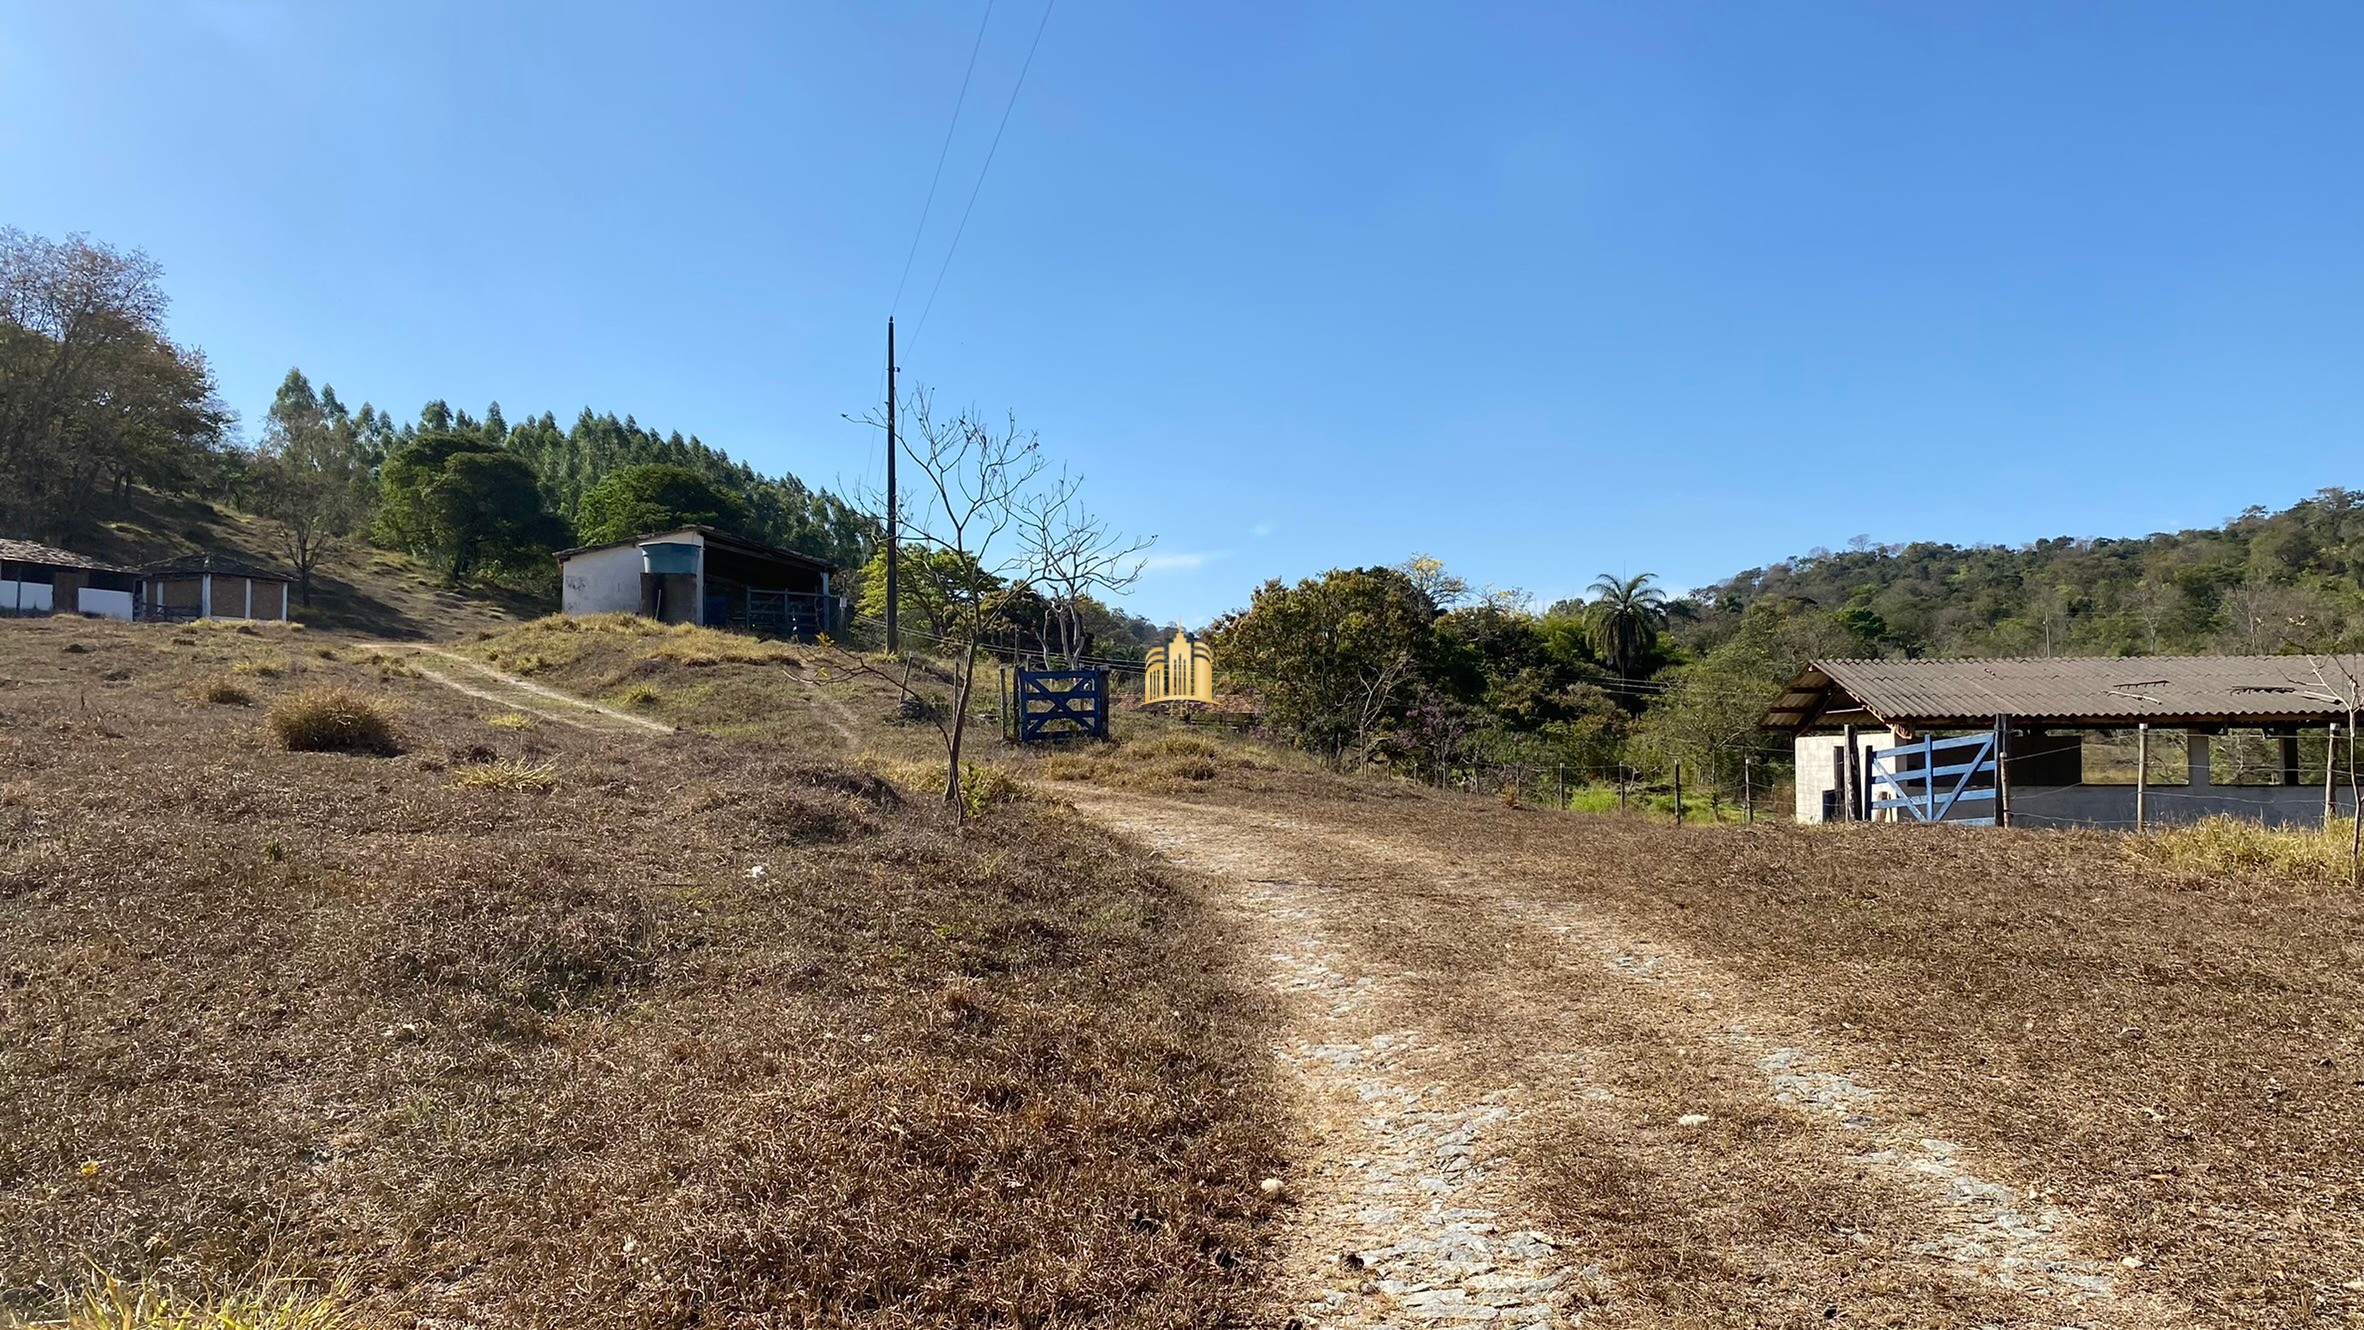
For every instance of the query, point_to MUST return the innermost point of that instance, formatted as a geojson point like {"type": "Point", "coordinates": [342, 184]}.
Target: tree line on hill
{"type": "Point", "coordinates": [95, 399]}
{"type": "Point", "coordinates": [1404, 667]}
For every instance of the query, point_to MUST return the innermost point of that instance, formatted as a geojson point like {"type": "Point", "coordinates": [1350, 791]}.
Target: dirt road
{"type": "Point", "coordinates": [1520, 1108]}
{"type": "Point", "coordinates": [481, 681]}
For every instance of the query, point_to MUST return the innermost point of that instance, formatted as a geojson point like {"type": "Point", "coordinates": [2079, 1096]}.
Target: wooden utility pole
{"type": "Point", "coordinates": [894, 635]}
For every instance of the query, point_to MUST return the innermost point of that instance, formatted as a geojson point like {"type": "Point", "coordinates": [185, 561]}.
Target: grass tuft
{"type": "Point", "coordinates": [510, 720]}
{"type": "Point", "coordinates": [984, 786]}
{"type": "Point", "coordinates": [2225, 845]}
{"type": "Point", "coordinates": [513, 775]}
{"type": "Point", "coordinates": [333, 720]}
{"type": "Point", "coordinates": [110, 1304]}
{"type": "Point", "coordinates": [220, 692]}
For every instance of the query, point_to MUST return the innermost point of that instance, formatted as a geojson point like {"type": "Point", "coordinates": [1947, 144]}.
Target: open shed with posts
{"type": "Point", "coordinates": [699, 575]}
{"type": "Point", "coordinates": [2113, 742]}
{"type": "Point", "coordinates": [212, 586]}
{"type": "Point", "coordinates": [42, 579]}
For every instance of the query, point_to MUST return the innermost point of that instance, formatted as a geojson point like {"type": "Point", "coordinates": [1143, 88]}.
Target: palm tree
{"type": "Point", "coordinates": [1623, 619]}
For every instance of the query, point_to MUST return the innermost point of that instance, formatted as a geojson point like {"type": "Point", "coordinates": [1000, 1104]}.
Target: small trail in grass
{"type": "Point", "coordinates": [1384, 1114]}
{"type": "Point", "coordinates": [1398, 1220]}
{"type": "Point", "coordinates": [507, 690]}
{"type": "Point", "coordinates": [835, 714]}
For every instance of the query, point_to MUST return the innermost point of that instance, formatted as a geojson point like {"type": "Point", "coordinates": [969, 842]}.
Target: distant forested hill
{"type": "Point", "coordinates": [2261, 583]}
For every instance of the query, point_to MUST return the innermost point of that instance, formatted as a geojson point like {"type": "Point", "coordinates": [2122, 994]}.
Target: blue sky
{"type": "Point", "coordinates": [1541, 289]}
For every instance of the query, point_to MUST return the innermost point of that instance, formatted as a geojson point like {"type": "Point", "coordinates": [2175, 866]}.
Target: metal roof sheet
{"type": "Point", "coordinates": [191, 565]}
{"type": "Point", "coordinates": [2097, 689]}
{"type": "Point", "coordinates": [25, 551]}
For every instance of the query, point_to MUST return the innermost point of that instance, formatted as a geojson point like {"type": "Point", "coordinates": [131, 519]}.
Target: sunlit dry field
{"type": "Point", "coordinates": [640, 1029]}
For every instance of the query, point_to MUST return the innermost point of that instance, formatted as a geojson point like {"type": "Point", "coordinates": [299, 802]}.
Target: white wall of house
{"type": "Point", "coordinates": [1816, 770]}
{"type": "Point", "coordinates": [112, 604]}
{"type": "Point", "coordinates": [603, 581]}
{"type": "Point", "coordinates": [24, 597]}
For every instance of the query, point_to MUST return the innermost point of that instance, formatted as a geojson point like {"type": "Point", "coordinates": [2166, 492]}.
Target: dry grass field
{"type": "Point", "coordinates": [1789, 1076]}
{"type": "Point", "coordinates": [517, 1020]}
{"type": "Point", "coordinates": [505, 1028]}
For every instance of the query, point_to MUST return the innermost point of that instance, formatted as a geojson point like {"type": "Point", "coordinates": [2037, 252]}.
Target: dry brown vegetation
{"type": "Point", "coordinates": [332, 720]}
{"type": "Point", "coordinates": [2173, 1058]}
{"type": "Point", "coordinates": [711, 1031]}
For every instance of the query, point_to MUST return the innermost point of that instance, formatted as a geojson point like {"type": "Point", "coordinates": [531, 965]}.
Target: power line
{"type": "Point", "coordinates": [941, 154]}
{"type": "Point", "coordinates": [1012, 105]}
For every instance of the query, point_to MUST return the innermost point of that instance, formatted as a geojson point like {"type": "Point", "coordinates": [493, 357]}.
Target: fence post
{"type": "Point", "coordinates": [1852, 794]}
{"type": "Point", "coordinates": [1678, 791]}
{"type": "Point", "coordinates": [2142, 770]}
{"type": "Point", "coordinates": [2002, 771]}
{"type": "Point", "coordinates": [1621, 787]}
{"type": "Point", "coordinates": [2330, 765]}
{"type": "Point", "coordinates": [1748, 790]}
{"type": "Point", "coordinates": [1563, 775]}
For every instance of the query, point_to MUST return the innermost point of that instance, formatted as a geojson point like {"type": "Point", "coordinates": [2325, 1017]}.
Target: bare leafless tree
{"type": "Point", "coordinates": [969, 491]}
{"type": "Point", "coordinates": [2347, 693]}
{"type": "Point", "coordinates": [1075, 555]}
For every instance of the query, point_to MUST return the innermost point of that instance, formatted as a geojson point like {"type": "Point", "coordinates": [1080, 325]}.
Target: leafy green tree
{"type": "Point", "coordinates": [1339, 660]}
{"type": "Point", "coordinates": [93, 397]}
{"type": "Point", "coordinates": [1708, 716]}
{"type": "Point", "coordinates": [464, 504]}
{"type": "Point", "coordinates": [651, 497]}
{"type": "Point", "coordinates": [929, 580]}
{"type": "Point", "coordinates": [309, 476]}
{"type": "Point", "coordinates": [1624, 618]}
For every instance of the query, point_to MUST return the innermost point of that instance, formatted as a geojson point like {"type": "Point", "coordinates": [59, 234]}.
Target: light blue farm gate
{"type": "Point", "coordinates": [1909, 781]}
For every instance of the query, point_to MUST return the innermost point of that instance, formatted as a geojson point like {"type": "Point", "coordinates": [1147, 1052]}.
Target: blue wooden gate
{"type": "Point", "coordinates": [1058, 704]}
{"type": "Point", "coordinates": [1928, 792]}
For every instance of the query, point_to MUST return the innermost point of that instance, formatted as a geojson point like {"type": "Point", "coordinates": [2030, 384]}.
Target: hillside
{"type": "Point", "coordinates": [2262, 582]}
{"type": "Point", "coordinates": [357, 588]}
{"type": "Point", "coordinates": [538, 1023]}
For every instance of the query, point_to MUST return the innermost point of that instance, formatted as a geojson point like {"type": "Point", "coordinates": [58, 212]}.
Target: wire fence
{"type": "Point", "coordinates": [1620, 789]}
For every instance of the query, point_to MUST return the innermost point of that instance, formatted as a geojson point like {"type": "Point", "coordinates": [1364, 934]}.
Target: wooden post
{"type": "Point", "coordinates": [1748, 790]}
{"type": "Point", "coordinates": [2330, 767]}
{"type": "Point", "coordinates": [1852, 793]}
{"type": "Point", "coordinates": [1678, 791]}
{"type": "Point", "coordinates": [2142, 770]}
{"type": "Point", "coordinates": [1563, 780]}
{"type": "Point", "coordinates": [1621, 787]}
{"type": "Point", "coordinates": [2002, 771]}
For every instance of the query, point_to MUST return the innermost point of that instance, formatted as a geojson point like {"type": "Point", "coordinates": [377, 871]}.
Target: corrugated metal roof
{"type": "Point", "coordinates": [190, 565]}
{"type": "Point", "coordinates": [2192, 690]}
{"type": "Point", "coordinates": [25, 551]}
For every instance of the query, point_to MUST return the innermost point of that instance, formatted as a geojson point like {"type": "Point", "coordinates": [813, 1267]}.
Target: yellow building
{"type": "Point", "coordinates": [1182, 670]}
